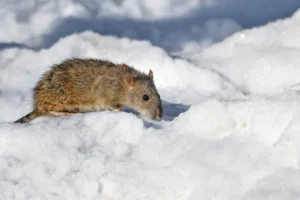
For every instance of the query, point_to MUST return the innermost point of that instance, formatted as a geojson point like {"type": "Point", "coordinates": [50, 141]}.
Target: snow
{"type": "Point", "coordinates": [170, 24]}
{"type": "Point", "coordinates": [231, 110]}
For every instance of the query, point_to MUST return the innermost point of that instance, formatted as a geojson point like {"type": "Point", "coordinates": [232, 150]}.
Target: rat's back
{"type": "Point", "coordinates": [77, 81]}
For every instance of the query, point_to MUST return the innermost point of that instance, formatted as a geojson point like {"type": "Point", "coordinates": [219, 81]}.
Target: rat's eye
{"type": "Point", "coordinates": [146, 97]}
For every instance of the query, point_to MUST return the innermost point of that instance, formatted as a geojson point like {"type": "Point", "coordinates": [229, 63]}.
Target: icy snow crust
{"type": "Point", "coordinates": [230, 127]}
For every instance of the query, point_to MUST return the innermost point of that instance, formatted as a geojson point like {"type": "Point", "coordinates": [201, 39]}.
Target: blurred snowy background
{"type": "Point", "coordinates": [228, 72]}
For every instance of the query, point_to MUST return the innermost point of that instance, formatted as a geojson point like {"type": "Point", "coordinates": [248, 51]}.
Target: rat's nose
{"type": "Point", "coordinates": [157, 115]}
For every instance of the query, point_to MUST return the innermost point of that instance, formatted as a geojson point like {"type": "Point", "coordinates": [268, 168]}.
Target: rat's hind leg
{"type": "Point", "coordinates": [55, 113]}
{"type": "Point", "coordinates": [59, 109]}
{"type": "Point", "coordinates": [48, 109]}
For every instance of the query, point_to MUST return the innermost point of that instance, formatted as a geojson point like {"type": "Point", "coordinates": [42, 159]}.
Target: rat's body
{"type": "Point", "coordinates": [85, 85]}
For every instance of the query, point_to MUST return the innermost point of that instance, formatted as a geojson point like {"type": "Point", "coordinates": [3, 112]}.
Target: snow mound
{"type": "Point", "coordinates": [260, 60]}
{"type": "Point", "coordinates": [229, 147]}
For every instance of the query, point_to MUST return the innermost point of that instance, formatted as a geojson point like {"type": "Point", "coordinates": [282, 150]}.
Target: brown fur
{"type": "Point", "coordinates": [85, 85]}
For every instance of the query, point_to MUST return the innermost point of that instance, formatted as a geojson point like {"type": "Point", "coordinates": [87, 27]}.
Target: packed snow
{"type": "Point", "coordinates": [231, 103]}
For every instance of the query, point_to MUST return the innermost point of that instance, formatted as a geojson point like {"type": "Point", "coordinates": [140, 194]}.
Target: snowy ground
{"type": "Point", "coordinates": [231, 121]}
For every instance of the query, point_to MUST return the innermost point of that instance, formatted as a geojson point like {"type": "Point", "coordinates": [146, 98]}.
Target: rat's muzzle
{"type": "Point", "coordinates": [154, 115]}
{"type": "Point", "coordinates": [157, 114]}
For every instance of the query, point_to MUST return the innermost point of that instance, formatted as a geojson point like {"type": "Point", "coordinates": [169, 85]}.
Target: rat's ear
{"type": "Point", "coordinates": [129, 80]}
{"type": "Point", "coordinates": [150, 74]}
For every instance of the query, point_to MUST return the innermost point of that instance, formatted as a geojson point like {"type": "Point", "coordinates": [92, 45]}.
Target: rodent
{"type": "Point", "coordinates": [78, 85]}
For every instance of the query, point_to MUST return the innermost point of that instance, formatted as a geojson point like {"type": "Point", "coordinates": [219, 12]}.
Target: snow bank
{"type": "Point", "coordinates": [230, 128]}
{"type": "Point", "coordinates": [261, 60]}
{"type": "Point", "coordinates": [218, 150]}
{"type": "Point", "coordinates": [170, 24]}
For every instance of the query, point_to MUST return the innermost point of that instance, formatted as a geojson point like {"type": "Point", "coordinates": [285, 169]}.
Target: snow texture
{"type": "Point", "coordinates": [229, 78]}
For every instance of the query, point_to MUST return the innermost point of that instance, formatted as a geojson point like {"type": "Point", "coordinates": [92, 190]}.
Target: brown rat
{"type": "Point", "coordinates": [85, 85]}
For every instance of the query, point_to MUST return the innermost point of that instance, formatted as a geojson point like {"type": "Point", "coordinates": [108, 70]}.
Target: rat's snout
{"type": "Point", "coordinates": [154, 114]}
{"type": "Point", "coordinates": [157, 114]}
{"type": "Point", "coordinates": [158, 117]}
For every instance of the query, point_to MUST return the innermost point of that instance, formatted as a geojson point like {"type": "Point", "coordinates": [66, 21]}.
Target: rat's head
{"type": "Point", "coordinates": [141, 95]}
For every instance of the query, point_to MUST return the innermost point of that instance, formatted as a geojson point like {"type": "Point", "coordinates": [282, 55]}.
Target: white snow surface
{"type": "Point", "coordinates": [169, 24]}
{"type": "Point", "coordinates": [231, 109]}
